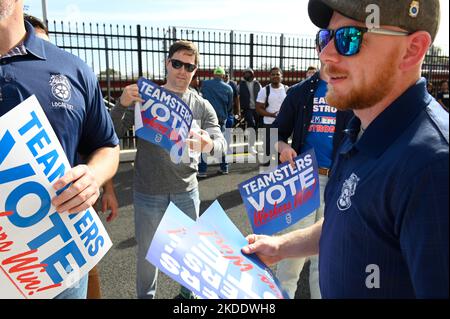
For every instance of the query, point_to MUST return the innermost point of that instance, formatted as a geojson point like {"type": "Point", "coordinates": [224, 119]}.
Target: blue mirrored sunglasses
{"type": "Point", "coordinates": [348, 40]}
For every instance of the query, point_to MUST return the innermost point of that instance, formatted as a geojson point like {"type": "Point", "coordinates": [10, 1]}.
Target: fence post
{"type": "Point", "coordinates": [139, 50]}
{"type": "Point", "coordinates": [281, 51]}
{"type": "Point", "coordinates": [231, 70]}
{"type": "Point", "coordinates": [174, 34]}
{"type": "Point", "coordinates": [108, 77]}
{"type": "Point", "coordinates": [252, 43]}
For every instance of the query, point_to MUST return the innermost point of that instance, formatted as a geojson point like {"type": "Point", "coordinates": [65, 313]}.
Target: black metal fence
{"type": "Point", "coordinates": [120, 54]}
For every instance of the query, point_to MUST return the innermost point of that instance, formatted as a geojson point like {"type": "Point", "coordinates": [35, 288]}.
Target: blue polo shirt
{"type": "Point", "coordinates": [220, 95]}
{"type": "Point", "coordinates": [385, 233]}
{"type": "Point", "coordinates": [67, 90]}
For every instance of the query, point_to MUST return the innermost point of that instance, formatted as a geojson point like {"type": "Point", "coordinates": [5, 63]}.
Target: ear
{"type": "Point", "coordinates": [417, 47]}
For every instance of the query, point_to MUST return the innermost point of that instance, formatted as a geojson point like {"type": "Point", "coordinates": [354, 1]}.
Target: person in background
{"type": "Point", "coordinates": [248, 92]}
{"type": "Point", "coordinates": [268, 104]}
{"type": "Point", "coordinates": [310, 71]}
{"type": "Point", "coordinates": [236, 106]}
{"type": "Point", "coordinates": [220, 95]}
{"type": "Point", "coordinates": [442, 96]}
{"type": "Point", "coordinates": [430, 88]}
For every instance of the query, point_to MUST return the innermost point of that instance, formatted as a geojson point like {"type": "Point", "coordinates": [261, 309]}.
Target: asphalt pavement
{"type": "Point", "coordinates": [118, 267]}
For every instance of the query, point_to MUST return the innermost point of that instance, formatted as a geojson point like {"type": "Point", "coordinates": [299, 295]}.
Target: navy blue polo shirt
{"type": "Point", "coordinates": [67, 90]}
{"type": "Point", "coordinates": [385, 232]}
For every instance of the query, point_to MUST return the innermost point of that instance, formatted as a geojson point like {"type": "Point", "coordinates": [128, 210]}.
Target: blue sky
{"type": "Point", "coordinates": [285, 16]}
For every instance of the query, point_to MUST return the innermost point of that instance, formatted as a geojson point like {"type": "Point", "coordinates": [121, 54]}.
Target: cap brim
{"type": "Point", "coordinates": [319, 13]}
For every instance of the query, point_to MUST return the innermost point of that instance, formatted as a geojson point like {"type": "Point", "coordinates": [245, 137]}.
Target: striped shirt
{"type": "Point", "coordinates": [16, 51]}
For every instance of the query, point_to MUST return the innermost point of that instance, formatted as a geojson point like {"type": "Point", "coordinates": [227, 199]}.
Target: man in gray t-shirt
{"type": "Point", "coordinates": [157, 180]}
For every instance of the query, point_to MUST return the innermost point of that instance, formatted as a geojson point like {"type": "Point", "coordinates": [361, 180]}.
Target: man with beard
{"type": "Point", "coordinates": [29, 66]}
{"type": "Point", "coordinates": [385, 227]}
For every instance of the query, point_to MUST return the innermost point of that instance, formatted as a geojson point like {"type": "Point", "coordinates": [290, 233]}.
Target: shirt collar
{"type": "Point", "coordinates": [391, 123]}
{"type": "Point", "coordinates": [33, 44]}
{"type": "Point", "coordinates": [16, 51]}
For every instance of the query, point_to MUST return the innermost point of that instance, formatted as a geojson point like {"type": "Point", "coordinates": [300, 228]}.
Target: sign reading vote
{"type": "Point", "coordinates": [164, 119]}
{"type": "Point", "coordinates": [42, 252]}
{"type": "Point", "coordinates": [205, 257]}
{"type": "Point", "coordinates": [280, 198]}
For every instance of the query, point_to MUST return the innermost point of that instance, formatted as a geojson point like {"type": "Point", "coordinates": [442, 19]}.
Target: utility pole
{"type": "Point", "coordinates": [44, 12]}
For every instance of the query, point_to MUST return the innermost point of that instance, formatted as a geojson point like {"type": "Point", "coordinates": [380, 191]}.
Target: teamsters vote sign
{"type": "Point", "coordinates": [282, 197]}
{"type": "Point", "coordinates": [42, 252]}
{"type": "Point", "coordinates": [164, 119]}
{"type": "Point", "coordinates": [205, 256]}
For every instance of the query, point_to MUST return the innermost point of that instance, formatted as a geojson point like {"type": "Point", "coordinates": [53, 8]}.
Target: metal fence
{"type": "Point", "coordinates": [120, 54]}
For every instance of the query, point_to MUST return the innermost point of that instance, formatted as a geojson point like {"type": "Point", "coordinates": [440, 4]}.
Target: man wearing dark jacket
{"type": "Point", "coordinates": [248, 92]}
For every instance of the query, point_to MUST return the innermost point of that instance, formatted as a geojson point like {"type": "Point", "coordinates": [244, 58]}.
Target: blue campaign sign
{"type": "Point", "coordinates": [42, 252]}
{"type": "Point", "coordinates": [170, 232]}
{"type": "Point", "coordinates": [206, 257]}
{"type": "Point", "coordinates": [282, 197]}
{"type": "Point", "coordinates": [163, 119]}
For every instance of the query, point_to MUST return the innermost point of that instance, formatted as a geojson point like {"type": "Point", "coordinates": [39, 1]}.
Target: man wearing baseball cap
{"type": "Point", "coordinates": [385, 227]}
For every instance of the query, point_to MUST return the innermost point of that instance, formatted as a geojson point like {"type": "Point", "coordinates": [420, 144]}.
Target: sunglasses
{"type": "Point", "coordinates": [177, 64]}
{"type": "Point", "coordinates": [348, 40]}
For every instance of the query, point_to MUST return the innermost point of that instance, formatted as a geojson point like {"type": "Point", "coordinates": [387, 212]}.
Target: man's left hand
{"type": "Point", "coordinates": [82, 193]}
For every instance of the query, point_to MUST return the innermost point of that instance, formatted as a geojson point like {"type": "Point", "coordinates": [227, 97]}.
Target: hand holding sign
{"type": "Point", "coordinates": [130, 95]}
{"type": "Point", "coordinates": [163, 118]}
{"type": "Point", "coordinates": [287, 153]}
{"type": "Point", "coordinates": [82, 190]}
{"type": "Point", "coordinates": [265, 247]}
{"type": "Point", "coordinates": [200, 141]}
{"type": "Point", "coordinates": [43, 252]}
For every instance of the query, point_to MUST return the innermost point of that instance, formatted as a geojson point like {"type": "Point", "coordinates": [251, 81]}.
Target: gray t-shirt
{"type": "Point", "coordinates": [154, 172]}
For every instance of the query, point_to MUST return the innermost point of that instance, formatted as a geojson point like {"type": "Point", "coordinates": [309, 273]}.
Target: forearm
{"type": "Point", "coordinates": [301, 243]}
{"type": "Point", "coordinates": [262, 111]}
{"type": "Point", "coordinates": [108, 187]}
{"type": "Point", "coordinates": [103, 163]}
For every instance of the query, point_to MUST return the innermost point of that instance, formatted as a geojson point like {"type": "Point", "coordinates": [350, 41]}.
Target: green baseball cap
{"type": "Point", "coordinates": [219, 71]}
{"type": "Point", "coordinates": [410, 15]}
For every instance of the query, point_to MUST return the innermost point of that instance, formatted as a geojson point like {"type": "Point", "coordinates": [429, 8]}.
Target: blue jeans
{"type": "Point", "coordinates": [203, 166]}
{"type": "Point", "coordinates": [148, 212]}
{"type": "Point", "coordinates": [78, 291]}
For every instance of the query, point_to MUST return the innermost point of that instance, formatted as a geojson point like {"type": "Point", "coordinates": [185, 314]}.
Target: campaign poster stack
{"type": "Point", "coordinates": [42, 252]}
{"type": "Point", "coordinates": [205, 256]}
{"type": "Point", "coordinates": [163, 119]}
{"type": "Point", "coordinates": [280, 198]}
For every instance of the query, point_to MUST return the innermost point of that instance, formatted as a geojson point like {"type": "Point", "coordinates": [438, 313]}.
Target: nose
{"type": "Point", "coordinates": [329, 54]}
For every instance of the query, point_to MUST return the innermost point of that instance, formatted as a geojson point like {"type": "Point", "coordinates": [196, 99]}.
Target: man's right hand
{"type": "Point", "coordinates": [288, 154]}
{"type": "Point", "coordinates": [130, 95]}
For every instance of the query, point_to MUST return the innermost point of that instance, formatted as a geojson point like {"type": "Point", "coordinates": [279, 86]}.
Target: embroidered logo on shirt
{"type": "Point", "coordinates": [61, 88]}
{"type": "Point", "coordinates": [348, 190]}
